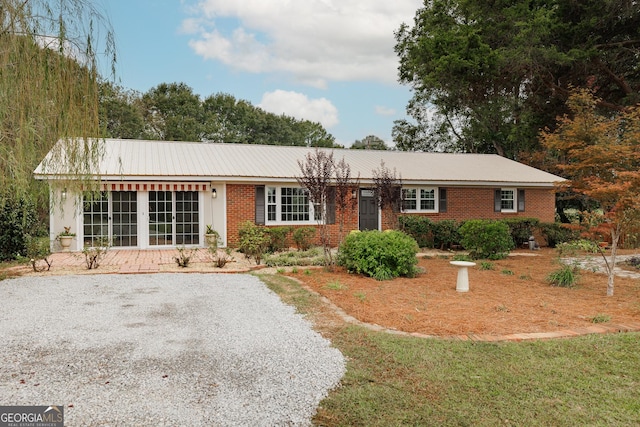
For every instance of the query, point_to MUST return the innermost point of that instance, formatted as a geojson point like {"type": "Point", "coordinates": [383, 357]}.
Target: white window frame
{"type": "Point", "coordinates": [418, 199]}
{"type": "Point", "coordinates": [278, 207]}
{"type": "Point", "coordinates": [514, 199]}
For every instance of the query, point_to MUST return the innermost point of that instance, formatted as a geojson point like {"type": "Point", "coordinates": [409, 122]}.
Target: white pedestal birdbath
{"type": "Point", "coordinates": [462, 285]}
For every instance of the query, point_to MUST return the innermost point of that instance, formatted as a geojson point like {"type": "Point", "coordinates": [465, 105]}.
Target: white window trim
{"type": "Point", "coordinates": [514, 191]}
{"type": "Point", "coordinates": [278, 221]}
{"type": "Point", "coordinates": [436, 196]}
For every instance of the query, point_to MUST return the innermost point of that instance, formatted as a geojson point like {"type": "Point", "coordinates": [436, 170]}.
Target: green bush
{"type": "Point", "coordinates": [381, 255]}
{"type": "Point", "coordinates": [445, 234]}
{"type": "Point", "coordinates": [278, 238]}
{"type": "Point", "coordinates": [17, 219]}
{"type": "Point", "coordinates": [486, 239]}
{"type": "Point", "coordinates": [303, 237]}
{"type": "Point", "coordinates": [556, 233]}
{"type": "Point", "coordinates": [37, 249]}
{"type": "Point", "coordinates": [254, 240]}
{"type": "Point", "coordinates": [521, 229]}
{"type": "Point", "coordinates": [420, 228]}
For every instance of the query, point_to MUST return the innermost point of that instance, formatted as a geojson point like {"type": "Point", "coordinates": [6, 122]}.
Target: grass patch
{"type": "Point", "coordinates": [507, 272]}
{"type": "Point", "coordinates": [486, 265]}
{"type": "Point", "coordinates": [393, 380]}
{"type": "Point", "coordinates": [362, 296]}
{"type": "Point", "coordinates": [407, 381]}
{"type": "Point", "coordinates": [290, 292]}
{"type": "Point", "coordinates": [565, 277]}
{"type": "Point", "coordinates": [601, 318]}
{"type": "Point", "coordinates": [335, 286]}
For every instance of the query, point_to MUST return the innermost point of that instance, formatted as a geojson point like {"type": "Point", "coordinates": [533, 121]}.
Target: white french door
{"type": "Point", "coordinates": [174, 218]}
{"type": "Point", "coordinates": [112, 216]}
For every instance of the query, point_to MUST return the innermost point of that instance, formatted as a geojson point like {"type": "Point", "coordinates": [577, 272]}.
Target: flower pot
{"type": "Point", "coordinates": [210, 239]}
{"type": "Point", "coordinates": [65, 242]}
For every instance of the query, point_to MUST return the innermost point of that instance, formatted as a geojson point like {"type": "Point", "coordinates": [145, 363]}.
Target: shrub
{"type": "Point", "coordinates": [420, 228]}
{"type": "Point", "coordinates": [184, 256]}
{"type": "Point", "coordinates": [278, 238]}
{"type": "Point", "coordinates": [254, 240]}
{"type": "Point", "coordinates": [303, 237]}
{"type": "Point", "coordinates": [486, 239]}
{"type": "Point", "coordinates": [220, 257]}
{"type": "Point", "coordinates": [38, 249]}
{"type": "Point", "coordinates": [17, 218]}
{"type": "Point", "coordinates": [93, 255]}
{"type": "Point", "coordinates": [555, 233]}
{"type": "Point", "coordinates": [521, 229]}
{"type": "Point", "coordinates": [564, 277]}
{"type": "Point", "coordinates": [445, 234]}
{"type": "Point", "coordinates": [381, 255]}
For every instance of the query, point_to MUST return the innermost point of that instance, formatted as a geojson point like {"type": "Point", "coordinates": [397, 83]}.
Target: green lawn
{"type": "Point", "coordinates": [392, 381]}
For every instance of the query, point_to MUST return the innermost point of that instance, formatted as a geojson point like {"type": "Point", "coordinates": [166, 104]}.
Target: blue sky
{"type": "Point", "coordinates": [330, 61]}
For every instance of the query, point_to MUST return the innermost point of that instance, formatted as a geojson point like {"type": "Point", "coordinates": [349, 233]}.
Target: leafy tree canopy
{"type": "Point", "coordinates": [173, 112]}
{"type": "Point", "coordinates": [487, 75]}
{"type": "Point", "coordinates": [48, 89]}
{"type": "Point", "coordinates": [600, 156]}
{"type": "Point", "coordinates": [370, 142]}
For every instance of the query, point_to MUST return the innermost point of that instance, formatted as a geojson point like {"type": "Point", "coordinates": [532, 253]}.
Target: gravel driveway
{"type": "Point", "coordinates": [161, 349]}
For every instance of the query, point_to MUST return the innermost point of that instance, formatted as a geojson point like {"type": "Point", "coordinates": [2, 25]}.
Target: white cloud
{"type": "Point", "coordinates": [298, 105]}
{"type": "Point", "coordinates": [314, 40]}
{"type": "Point", "coordinates": [384, 111]}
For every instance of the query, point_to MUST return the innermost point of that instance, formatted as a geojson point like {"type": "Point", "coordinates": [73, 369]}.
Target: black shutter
{"type": "Point", "coordinates": [442, 199]}
{"type": "Point", "coordinates": [497, 201]}
{"type": "Point", "coordinates": [331, 205]}
{"type": "Point", "coordinates": [260, 205]}
{"type": "Point", "coordinates": [520, 200]}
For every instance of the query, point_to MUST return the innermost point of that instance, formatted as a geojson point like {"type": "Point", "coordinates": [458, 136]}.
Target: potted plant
{"type": "Point", "coordinates": [211, 236]}
{"type": "Point", "coordinates": [65, 238]}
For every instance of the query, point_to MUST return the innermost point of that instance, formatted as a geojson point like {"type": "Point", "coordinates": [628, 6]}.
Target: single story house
{"type": "Point", "coordinates": [158, 194]}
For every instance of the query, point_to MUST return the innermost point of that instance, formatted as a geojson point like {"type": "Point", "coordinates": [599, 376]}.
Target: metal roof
{"type": "Point", "coordinates": [126, 159]}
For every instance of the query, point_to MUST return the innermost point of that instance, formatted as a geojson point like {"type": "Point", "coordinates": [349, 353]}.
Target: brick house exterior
{"type": "Point", "coordinates": [166, 194]}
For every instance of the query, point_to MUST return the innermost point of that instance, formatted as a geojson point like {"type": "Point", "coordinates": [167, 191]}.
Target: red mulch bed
{"type": "Point", "coordinates": [498, 303]}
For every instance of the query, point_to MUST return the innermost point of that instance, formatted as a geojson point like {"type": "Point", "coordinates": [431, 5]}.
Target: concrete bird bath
{"type": "Point", "coordinates": [462, 285]}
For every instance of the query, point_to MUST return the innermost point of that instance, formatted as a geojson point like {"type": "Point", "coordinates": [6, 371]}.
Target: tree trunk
{"type": "Point", "coordinates": [615, 236]}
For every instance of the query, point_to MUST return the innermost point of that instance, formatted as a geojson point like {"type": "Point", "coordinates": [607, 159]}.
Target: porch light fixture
{"type": "Point", "coordinates": [354, 194]}
{"type": "Point", "coordinates": [64, 194]}
{"type": "Point", "coordinates": [214, 193]}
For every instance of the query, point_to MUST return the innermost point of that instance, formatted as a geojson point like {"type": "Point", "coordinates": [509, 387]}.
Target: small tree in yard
{"type": "Point", "coordinates": [316, 173]}
{"type": "Point", "coordinates": [600, 156]}
{"type": "Point", "coordinates": [345, 184]}
{"type": "Point", "coordinates": [388, 190]}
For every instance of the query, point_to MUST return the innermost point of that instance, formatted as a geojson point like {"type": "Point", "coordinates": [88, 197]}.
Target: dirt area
{"type": "Point", "coordinates": [514, 297]}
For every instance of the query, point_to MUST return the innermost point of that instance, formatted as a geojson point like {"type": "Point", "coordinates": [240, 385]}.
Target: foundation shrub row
{"type": "Point", "coordinates": [446, 234]}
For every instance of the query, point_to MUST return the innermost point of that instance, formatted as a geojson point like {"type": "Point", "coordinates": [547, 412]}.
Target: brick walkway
{"type": "Point", "coordinates": [130, 260]}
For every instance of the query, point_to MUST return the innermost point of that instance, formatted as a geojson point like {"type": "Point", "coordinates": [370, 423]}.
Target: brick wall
{"type": "Point", "coordinates": [463, 203]}
{"type": "Point", "coordinates": [477, 203]}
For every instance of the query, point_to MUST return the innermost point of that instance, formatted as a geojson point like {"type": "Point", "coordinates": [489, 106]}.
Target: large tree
{"type": "Point", "coordinates": [600, 155]}
{"type": "Point", "coordinates": [487, 75]}
{"type": "Point", "coordinates": [48, 88]}
{"type": "Point", "coordinates": [120, 112]}
{"type": "Point", "coordinates": [370, 142]}
{"type": "Point", "coordinates": [172, 112]}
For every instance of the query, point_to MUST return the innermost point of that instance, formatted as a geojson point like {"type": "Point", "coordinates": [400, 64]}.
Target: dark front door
{"type": "Point", "coordinates": [368, 210]}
